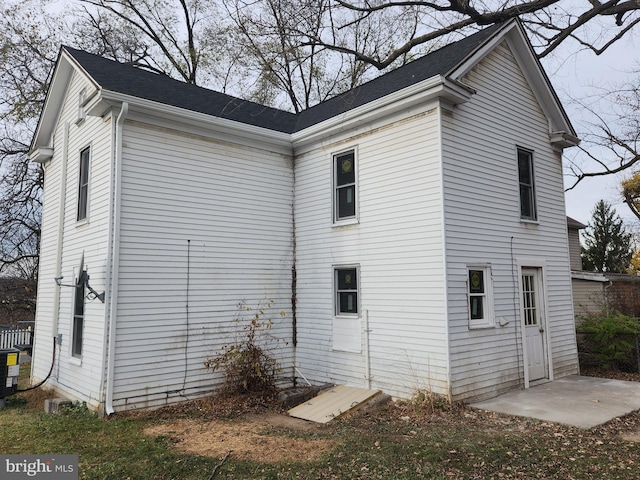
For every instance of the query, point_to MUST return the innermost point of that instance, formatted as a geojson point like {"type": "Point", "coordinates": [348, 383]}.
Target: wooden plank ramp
{"type": "Point", "coordinates": [333, 403]}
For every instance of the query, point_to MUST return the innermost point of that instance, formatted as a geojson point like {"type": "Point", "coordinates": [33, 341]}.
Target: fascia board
{"type": "Point", "coordinates": [106, 100]}
{"type": "Point", "coordinates": [52, 107]}
{"type": "Point", "coordinates": [429, 89]}
{"type": "Point", "coordinates": [589, 276]}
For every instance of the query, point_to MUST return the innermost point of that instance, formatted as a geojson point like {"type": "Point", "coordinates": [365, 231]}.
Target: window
{"type": "Point", "coordinates": [527, 188]}
{"type": "Point", "coordinates": [344, 168]}
{"type": "Point", "coordinates": [78, 315]}
{"type": "Point", "coordinates": [83, 185]}
{"type": "Point", "coordinates": [480, 299]}
{"type": "Point", "coordinates": [346, 284]}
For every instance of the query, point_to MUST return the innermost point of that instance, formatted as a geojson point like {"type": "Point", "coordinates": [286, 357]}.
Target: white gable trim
{"type": "Point", "coordinates": [561, 132]}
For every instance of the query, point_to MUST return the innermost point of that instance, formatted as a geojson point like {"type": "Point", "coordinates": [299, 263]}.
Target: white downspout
{"type": "Point", "coordinates": [115, 258]}
{"type": "Point", "coordinates": [61, 220]}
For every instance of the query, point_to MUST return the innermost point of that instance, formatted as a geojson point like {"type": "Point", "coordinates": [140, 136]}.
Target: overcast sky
{"type": "Point", "coordinates": [578, 75]}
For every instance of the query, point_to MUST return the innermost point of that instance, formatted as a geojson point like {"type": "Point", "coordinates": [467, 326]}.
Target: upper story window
{"type": "Point", "coordinates": [527, 185]}
{"type": "Point", "coordinates": [83, 184]}
{"type": "Point", "coordinates": [480, 297]}
{"type": "Point", "coordinates": [344, 184]}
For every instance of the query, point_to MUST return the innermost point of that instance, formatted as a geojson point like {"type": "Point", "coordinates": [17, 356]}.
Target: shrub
{"type": "Point", "coordinates": [611, 339]}
{"type": "Point", "coordinates": [247, 363]}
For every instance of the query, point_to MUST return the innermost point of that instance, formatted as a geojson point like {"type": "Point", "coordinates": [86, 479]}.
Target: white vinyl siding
{"type": "Point", "coordinates": [80, 380]}
{"type": "Point", "coordinates": [397, 245]}
{"type": "Point", "coordinates": [205, 226]}
{"type": "Point", "coordinates": [482, 209]}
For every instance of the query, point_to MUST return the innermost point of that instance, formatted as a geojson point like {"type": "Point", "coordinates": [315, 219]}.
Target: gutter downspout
{"type": "Point", "coordinates": [115, 258]}
{"type": "Point", "coordinates": [445, 265]}
{"type": "Point", "coordinates": [61, 220]}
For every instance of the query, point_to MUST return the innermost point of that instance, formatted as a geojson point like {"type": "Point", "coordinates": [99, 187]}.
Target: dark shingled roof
{"type": "Point", "coordinates": [129, 80]}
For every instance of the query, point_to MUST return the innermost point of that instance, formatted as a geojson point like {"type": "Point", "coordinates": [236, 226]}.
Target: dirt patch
{"type": "Point", "coordinates": [262, 438]}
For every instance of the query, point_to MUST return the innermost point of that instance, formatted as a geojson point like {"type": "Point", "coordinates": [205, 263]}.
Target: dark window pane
{"type": "Point", "coordinates": [347, 279]}
{"type": "Point", "coordinates": [526, 202]}
{"type": "Point", "coordinates": [76, 349]}
{"type": "Point", "coordinates": [477, 311]}
{"type": "Point", "coordinates": [78, 315]}
{"type": "Point", "coordinates": [346, 202]}
{"type": "Point", "coordinates": [524, 167]}
{"type": "Point", "coordinates": [348, 302]}
{"type": "Point", "coordinates": [345, 169]}
{"type": "Point", "coordinates": [476, 281]}
{"type": "Point", "coordinates": [527, 193]}
{"type": "Point", "coordinates": [83, 185]}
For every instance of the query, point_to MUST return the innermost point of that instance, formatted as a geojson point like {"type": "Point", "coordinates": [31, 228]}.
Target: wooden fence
{"type": "Point", "coordinates": [9, 338]}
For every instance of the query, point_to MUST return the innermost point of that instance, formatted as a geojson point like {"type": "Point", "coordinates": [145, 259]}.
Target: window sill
{"type": "Point", "coordinates": [484, 326]}
{"type": "Point", "coordinates": [82, 223]}
{"type": "Point", "coordinates": [75, 361]}
{"type": "Point", "coordinates": [529, 221]}
{"type": "Point", "coordinates": [345, 223]}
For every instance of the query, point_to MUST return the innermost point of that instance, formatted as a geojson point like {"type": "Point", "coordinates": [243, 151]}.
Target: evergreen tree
{"type": "Point", "coordinates": [607, 244]}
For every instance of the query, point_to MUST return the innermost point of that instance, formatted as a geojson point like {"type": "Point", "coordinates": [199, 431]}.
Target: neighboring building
{"type": "Point", "coordinates": [588, 287]}
{"type": "Point", "coordinates": [594, 291]}
{"type": "Point", "coordinates": [416, 223]}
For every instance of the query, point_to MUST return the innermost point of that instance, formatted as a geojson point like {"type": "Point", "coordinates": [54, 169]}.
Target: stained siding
{"type": "Point", "coordinates": [80, 380]}
{"type": "Point", "coordinates": [398, 247]}
{"type": "Point", "coordinates": [483, 226]}
{"type": "Point", "coordinates": [205, 225]}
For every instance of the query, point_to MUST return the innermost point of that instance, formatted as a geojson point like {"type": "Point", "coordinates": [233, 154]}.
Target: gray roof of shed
{"type": "Point", "coordinates": [126, 79]}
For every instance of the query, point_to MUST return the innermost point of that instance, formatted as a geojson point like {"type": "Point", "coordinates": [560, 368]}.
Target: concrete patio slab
{"type": "Point", "coordinates": [574, 400]}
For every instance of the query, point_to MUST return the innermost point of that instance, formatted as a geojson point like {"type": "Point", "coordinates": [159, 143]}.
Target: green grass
{"type": "Point", "coordinates": [392, 442]}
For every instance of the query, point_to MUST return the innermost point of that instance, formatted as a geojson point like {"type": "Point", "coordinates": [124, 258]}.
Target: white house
{"type": "Point", "coordinates": [412, 230]}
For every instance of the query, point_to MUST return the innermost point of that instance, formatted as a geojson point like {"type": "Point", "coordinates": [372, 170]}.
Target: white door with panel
{"type": "Point", "coordinates": [534, 322]}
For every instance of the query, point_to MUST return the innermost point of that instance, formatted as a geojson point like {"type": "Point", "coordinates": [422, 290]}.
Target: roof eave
{"type": "Point", "coordinates": [436, 87]}
{"type": "Point", "coordinates": [106, 100]}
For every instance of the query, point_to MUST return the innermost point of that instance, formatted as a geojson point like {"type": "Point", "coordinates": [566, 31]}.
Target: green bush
{"type": "Point", "coordinates": [611, 339]}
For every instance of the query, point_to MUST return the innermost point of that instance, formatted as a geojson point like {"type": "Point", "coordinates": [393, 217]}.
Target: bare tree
{"type": "Point", "coordinates": [292, 54]}
{"type": "Point", "coordinates": [26, 54]}
{"type": "Point", "coordinates": [179, 38]}
{"type": "Point", "coordinates": [613, 144]}
{"type": "Point", "coordinates": [550, 23]}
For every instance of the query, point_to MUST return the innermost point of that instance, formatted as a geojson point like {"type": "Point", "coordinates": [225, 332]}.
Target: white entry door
{"type": "Point", "coordinates": [534, 322]}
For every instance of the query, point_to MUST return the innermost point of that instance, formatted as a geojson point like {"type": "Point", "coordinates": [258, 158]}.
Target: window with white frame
{"type": "Point", "coordinates": [344, 184]}
{"type": "Point", "coordinates": [78, 315]}
{"type": "Point", "coordinates": [527, 186]}
{"type": "Point", "coordinates": [480, 297]}
{"type": "Point", "coordinates": [346, 290]}
{"type": "Point", "coordinates": [83, 184]}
